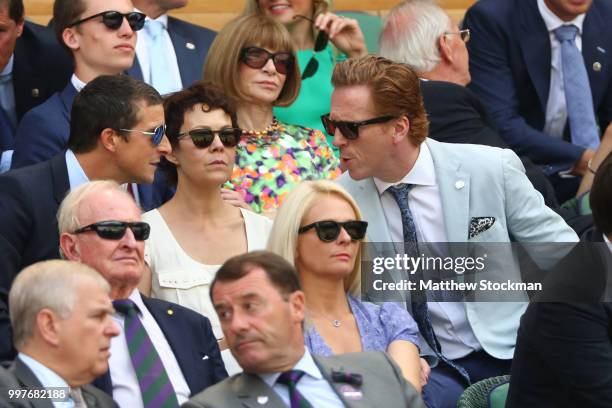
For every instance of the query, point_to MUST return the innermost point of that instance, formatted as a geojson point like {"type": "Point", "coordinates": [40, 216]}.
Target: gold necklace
{"type": "Point", "coordinates": [269, 132]}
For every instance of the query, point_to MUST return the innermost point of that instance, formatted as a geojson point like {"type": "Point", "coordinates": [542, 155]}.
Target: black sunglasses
{"type": "Point", "coordinates": [203, 137]}
{"type": "Point", "coordinates": [115, 230]}
{"type": "Point", "coordinates": [320, 44]}
{"type": "Point", "coordinates": [329, 230]}
{"type": "Point", "coordinates": [350, 130]}
{"type": "Point", "coordinates": [113, 19]}
{"type": "Point", "coordinates": [256, 58]}
{"type": "Point", "coordinates": [156, 135]}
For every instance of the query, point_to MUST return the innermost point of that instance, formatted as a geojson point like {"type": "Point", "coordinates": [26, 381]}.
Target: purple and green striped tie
{"type": "Point", "coordinates": [155, 386]}
{"type": "Point", "coordinates": [290, 379]}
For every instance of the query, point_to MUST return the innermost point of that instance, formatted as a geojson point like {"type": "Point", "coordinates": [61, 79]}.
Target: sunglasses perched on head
{"type": "Point", "coordinates": [115, 230]}
{"type": "Point", "coordinates": [328, 230]}
{"type": "Point", "coordinates": [256, 58]}
{"type": "Point", "coordinates": [156, 134]}
{"type": "Point", "coordinates": [350, 130]}
{"type": "Point", "coordinates": [203, 137]}
{"type": "Point", "coordinates": [113, 19]}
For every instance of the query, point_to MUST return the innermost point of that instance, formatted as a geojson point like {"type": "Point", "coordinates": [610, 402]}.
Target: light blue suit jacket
{"type": "Point", "coordinates": [480, 181]}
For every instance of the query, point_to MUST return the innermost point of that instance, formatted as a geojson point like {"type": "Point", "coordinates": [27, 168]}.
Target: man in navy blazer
{"type": "Point", "coordinates": [511, 66]}
{"type": "Point", "coordinates": [96, 50]}
{"type": "Point", "coordinates": [30, 196]}
{"type": "Point", "coordinates": [186, 46]}
{"type": "Point", "coordinates": [182, 338]}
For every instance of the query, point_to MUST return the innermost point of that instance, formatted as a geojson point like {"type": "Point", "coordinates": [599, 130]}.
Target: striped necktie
{"type": "Point", "coordinates": [155, 386]}
{"type": "Point", "coordinates": [420, 310]}
{"type": "Point", "coordinates": [290, 379]}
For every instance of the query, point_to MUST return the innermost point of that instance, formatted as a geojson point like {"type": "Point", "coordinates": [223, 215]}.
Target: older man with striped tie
{"type": "Point", "coordinates": [165, 352]}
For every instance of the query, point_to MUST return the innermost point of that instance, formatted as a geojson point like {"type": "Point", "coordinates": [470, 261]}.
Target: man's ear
{"type": "Point", "coordinates": [109, 138]}
{"type": "Point", "coordinates": [48, 326]}
{"type": "Point", "coordinates": [401, 129]}
{"type": "Point", "coordinates": [70, 247]}
{"type": "Point", "coordinates": [70, 38]}
{"type": "Point", "coordinates": [446, 53]}
{"type": "Point", "coordinates": [297, 301]}
{"type": "Point", "coordinates": [20, 24]}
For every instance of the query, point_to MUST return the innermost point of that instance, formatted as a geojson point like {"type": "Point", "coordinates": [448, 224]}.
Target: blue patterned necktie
{"type": "Point", "coordinates": [577, 90]}
{"type": "Point", "coordinates": [158, 58]}
{"type": "Point", "coordinates": [155, 386]}
{"type": "Point", "coordinates": [419, 297]}
{"type": "Point", "coordinates": [290, 379]}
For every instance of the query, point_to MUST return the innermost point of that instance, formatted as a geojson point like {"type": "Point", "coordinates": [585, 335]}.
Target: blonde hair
{"type": "Point", "coordinates": [46, 285]}
{"type": "Point", "coordinates": [284, 235]}
{"type": "Point", "coordinates": [223, 58]}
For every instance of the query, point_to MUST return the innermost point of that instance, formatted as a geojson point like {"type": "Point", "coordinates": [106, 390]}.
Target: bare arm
{"type": "Point", "coordinates": [406, 355]}
{"type": "Point", "coordinates": [604, 149]}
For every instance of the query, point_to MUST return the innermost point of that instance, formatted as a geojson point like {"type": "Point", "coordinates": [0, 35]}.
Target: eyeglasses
{"type": "Point", "coordinates": [320, 44]}
{"type": "Point", "coordinates": [350, 130]}
{"type": "Point", "coordinates": [329, 230]}
{"type": "Point", "coordinates": [203, 137]}
{"type": "Point", "coordinates": [115, 230]}
{"type": "Point", "coordinates": [256, 58]}
{"type": "Point", "coordinates": [464, 34]}
{"type": "Point", "coordinates": [157, 133]}
{"type": "Point", "coordinates": [113, 19]}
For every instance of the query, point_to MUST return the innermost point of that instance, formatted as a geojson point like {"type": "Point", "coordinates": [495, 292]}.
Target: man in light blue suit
{"type": "Point", "coordinates": [452, 193]}
{"type": "Point", "coordinates": [172, 57]}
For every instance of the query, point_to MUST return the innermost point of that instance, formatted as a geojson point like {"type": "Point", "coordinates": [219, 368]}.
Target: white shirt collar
{"type": "Point", "coordinates": [76, 174]}
{"type": "Point", "coordinates": [46, 376]}
{"type": "Point", "coordinates": [77, 83]}
{"type": "Point", "coordinates": [306, 364]}
{"type": "Point", "coordinates": [553, 22]}
{"type": "Point", "coordinates": [8, 69]}
{"type": "Point", "coordinates": [422, 173]}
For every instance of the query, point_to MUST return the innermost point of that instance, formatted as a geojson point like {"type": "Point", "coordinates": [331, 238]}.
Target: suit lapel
{"type": "Point", "coordinates": [594, 50]}
{"type": "Point", "coordinates": [369, 203]}
{"type": "Point", "coordinates": [454, 185]}
{"type": "Point", "coordinates": [59, 176]}
{"type": "Point", "coordinates": [253, 392]}
{"type": "Point", "coordinates": [326, 371]}
{"type": "Point", "coordinates": [27, 379]}
{"type": "Point", "coordinates": [186, 54]}
{"type": "Point", "coordinates": [535, 45]}
{"type": "Point", "coordinates": [67, 97]}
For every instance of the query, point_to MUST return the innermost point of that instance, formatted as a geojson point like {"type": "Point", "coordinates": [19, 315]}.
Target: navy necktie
{"type": "Point", "coordinates": [419, 298]}
{"type": "Point", "coordinates": [577, 90]}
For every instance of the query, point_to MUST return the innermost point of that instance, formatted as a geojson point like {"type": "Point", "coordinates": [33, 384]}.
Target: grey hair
{"type": "Point", "coordinates": [67, 214]}
{"type": "Point", "coordinates": [46, 285]}
{"type": "Point", "coordinates": [411, 31]}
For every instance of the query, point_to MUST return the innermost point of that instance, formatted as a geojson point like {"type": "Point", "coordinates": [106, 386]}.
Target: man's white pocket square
{"type": "Point", "coordinates": [479, 225]}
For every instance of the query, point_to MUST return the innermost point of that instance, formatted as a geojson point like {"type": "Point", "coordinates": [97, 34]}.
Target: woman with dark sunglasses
{"type": "Point", "coordinates": [252, 58]}
{"type": "Point", "coordinates": [313, 30]}
{"type": "Point", "coordinates": [318, 229]}
{"type": "Point", "coordinates": [197, 230]}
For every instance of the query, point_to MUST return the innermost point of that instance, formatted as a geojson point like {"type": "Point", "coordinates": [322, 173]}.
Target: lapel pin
{"type": "Point", "coordinates": [596, 66]}
{"type": "Point", "coordinates": [170, 312]}
{"type": "Point", "coordinates": [262, 399]}
{"type": "Point", "coordinates": [190, 46]}
{"type": "Point", "coordinates": [459, 184]}
{"type": "Point", "coordinates": [350, 392]}
{"type": "Point", "coordinates": [35, 92]}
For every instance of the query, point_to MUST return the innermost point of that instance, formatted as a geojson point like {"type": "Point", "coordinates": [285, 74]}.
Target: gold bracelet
{"type": "Point", "coordinates": [589, 168]}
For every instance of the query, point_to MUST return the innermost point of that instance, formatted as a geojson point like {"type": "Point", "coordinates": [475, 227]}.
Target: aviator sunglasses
{"type": "Point", "coordinates": [203, 137]}
{"type": "Point", "coordinates": [115, 230]}
{"type": "Point", "coordinates": [113, 19]}
{"type": "Point", "coordinates": [350, 130]}
{"type": "Point", "coordinates": [156, 134]}
{"type": "Point", "coordinates": [257, 58]}
{"type": "Point", "coordinates": [329, 230]}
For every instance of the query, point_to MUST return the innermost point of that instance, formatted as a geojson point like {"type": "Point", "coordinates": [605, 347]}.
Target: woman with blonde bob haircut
{"type": "Point", "coordinates": [252, 59]}
{"type": "Point", "coordinates": [318, 229]}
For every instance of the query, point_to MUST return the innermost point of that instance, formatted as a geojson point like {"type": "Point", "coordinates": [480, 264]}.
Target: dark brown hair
{"type": "Point", "coordinates": [66, 12]}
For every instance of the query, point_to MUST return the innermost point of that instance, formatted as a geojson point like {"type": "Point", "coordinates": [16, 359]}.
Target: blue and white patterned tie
{"type": "Point", "coordinates": [577, 90]}
{"type": "Point", "coordinates": [158, 58]}
{"type": "Point", "coordinates": [419, 298]}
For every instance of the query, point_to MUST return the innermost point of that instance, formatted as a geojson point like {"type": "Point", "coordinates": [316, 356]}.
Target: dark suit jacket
{"type": "Point", "coordinates": [93, 397]}
{"type": "Point", "coordinates": [563, 355]}
{"type": "Point", "coordinates": [192, 341]}
{"type": "Point", "coordinates": [510, 65]}
{"type": "Point", "coordinates": [190, 59]}
{"type": "Point", "coordinates": [41, 67]}
{"type": "Point", "coordinates": [456, 115]}
{"type": "Point", "coordinates": [383, 385]}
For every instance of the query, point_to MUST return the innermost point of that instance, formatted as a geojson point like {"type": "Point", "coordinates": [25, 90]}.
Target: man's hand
{"type": "Point", "coordinates": [580, 168]}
